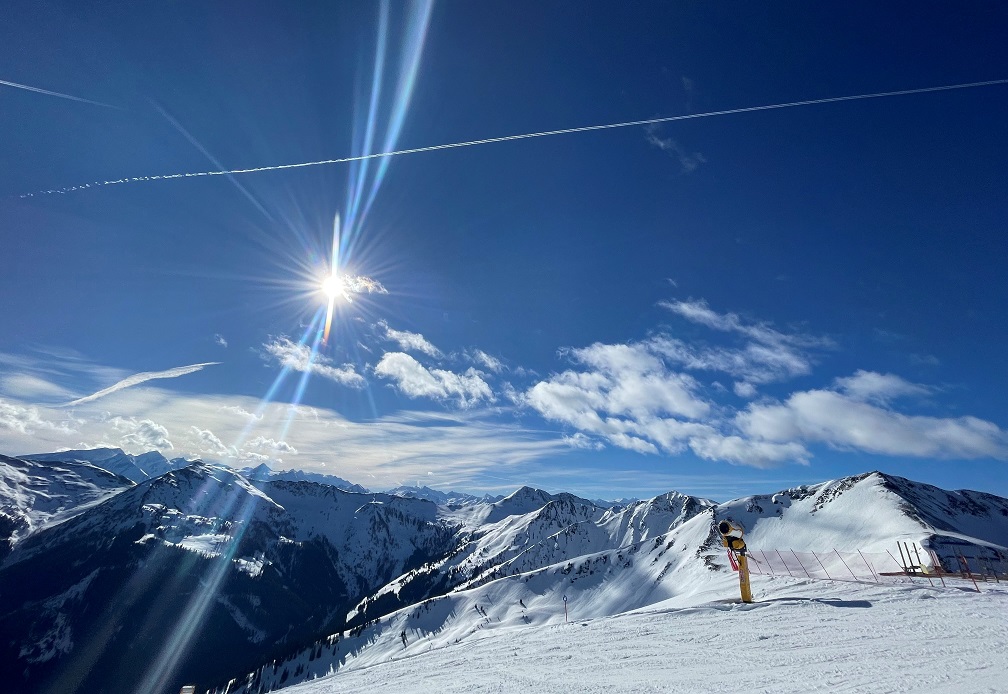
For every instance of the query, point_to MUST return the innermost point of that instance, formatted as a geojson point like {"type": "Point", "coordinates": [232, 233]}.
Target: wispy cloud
{"type": "Point", "coordinates": [30, 386]}
{"type": "Point", "coordinates": [689, 161]}
{"type": "Point", "coordinates": [485, 360]}
{"type": "Point", "coordinates": [869, 386]}
{"type": "Point", "coordinates": [765, 355]}
{"type": "Point", "coordinates": [416, 381]}
{"type": "Point", "coordinates": [299, 358]}
{"type": "Point", "coordinates": [234, 409]}
{"type": "Point", "coordinates": [219, 339]}
{"type": "Point", "coordinates": [414, 342]}
{"type": "Point", "coordinates": [142, 377]}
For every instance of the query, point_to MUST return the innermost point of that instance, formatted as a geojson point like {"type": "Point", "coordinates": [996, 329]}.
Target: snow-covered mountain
{"type": "Point", "coordinates": [442, 498]}
{"type": "Point", "coordinates": [564, 559]}
{"type": "Point", "coordinates": [34, 494]}
{"type": "Point", "coordinates": [264, 473]}
{"type": "Point", "coordinates": [138, 468]}
{"type": "Point", "coordinates": [246, 571]}
{"type": "Point", "coordinates": [287, 580]}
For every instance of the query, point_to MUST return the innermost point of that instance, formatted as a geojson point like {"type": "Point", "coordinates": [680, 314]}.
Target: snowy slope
{"type": "Point", "coordinates": [871, 512]}
{"type": "Point", "coordinates": [798, 637]}
{"type": "Point", "coordinates": [35, 494]}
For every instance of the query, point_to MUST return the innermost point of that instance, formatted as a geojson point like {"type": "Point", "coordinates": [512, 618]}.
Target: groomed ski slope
{"type": "Point", "coordinates": [799, 636]}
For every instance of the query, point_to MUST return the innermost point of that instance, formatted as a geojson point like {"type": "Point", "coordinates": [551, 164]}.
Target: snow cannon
{"type": "Point", "coordinates": [728, 528]}
{"type": "Point", "coordinates": [731, 535]}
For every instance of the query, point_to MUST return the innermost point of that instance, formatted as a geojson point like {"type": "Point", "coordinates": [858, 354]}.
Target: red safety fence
{"type": "Point", "coordinates": [909, 564]}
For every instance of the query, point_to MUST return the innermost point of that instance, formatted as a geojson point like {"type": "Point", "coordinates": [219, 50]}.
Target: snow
{"type": "Point", "coordinates": [650, 599]}
{"type": "Point", "coordinates": [58, 640]}
{"type": "Point", "coordinates": [651, 584]}
{"type": "Point", "coordinates": [39, 494]}
{"type": "Point", "coordinates": [799, 636]}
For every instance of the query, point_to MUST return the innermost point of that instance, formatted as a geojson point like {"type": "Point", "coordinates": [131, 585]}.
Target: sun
{"type": "Point", "coordinates": [332, 286]}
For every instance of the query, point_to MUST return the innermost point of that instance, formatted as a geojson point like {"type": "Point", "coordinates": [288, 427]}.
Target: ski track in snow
{"type": "Point", "coordinates": [800, 636]}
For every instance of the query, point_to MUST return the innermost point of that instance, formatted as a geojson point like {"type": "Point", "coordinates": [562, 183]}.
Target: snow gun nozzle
{"type": "Point", "coordinates": [728, 528]}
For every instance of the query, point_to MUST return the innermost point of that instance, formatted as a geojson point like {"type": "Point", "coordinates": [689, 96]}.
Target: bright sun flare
{"type": "Point", "coordinates": [332, 286]}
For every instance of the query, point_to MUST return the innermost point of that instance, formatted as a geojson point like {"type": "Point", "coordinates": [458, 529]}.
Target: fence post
{"type": "Point", "coordinates": [937, 563]}
{"type": "Point", "coordinates": [800, 564]}
{"type": "Point", "coordinates": [905, 563]}
{"type": "Point", "coordinates": [869, 566]}
{"type": "Point", "coordinates": [823, 567]}
{"type": "Point", "coordinates": [845, 564]}
{"type": "Point", "coordinates": [905, 572]}
{"type": "Point", "coordinates": [767, 563]}
{"type": "Point", "coordinates": [784, 563]}
{"type": "Point", "coordinates": [1001, 563]}
{"type": "Point", "coordinates": [968, 572]}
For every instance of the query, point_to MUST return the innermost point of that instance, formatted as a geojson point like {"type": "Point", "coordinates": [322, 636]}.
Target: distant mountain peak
{"type": "Point", "coordinates": [527, 492]}
{"type": "Point", "coordinates": [137, 468]}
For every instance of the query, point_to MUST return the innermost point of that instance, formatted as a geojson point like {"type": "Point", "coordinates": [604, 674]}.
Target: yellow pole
{"type": "Point", "coordinates": [731, 536]}
{"type": "Point", "coordinates": [743, 577]}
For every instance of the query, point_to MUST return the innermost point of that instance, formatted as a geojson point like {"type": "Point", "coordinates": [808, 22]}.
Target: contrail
{"type": "Point", "coordinates": [527, 136]}
{"type": "Point", "coordinates": [142, 377]}
{"type": "Point", "coordinates": [59, 94]}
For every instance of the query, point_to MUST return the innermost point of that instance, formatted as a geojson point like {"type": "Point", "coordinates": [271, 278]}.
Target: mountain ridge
{"type": "Point", "coordinates": [274, 567]}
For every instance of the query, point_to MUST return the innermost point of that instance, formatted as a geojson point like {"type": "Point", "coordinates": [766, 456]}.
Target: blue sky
{"type": "Point", "coordinates": [723, 305]}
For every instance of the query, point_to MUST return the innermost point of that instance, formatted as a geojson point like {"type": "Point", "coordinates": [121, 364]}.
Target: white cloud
{"type": "Point", "coordinates": [136, 379]}
{"type": "Point", "coordinates": [299, 358]}
{"type": "Point", "coordinates": [234, 409]}
{"type": "Point", "coordinates": [261, 443]}
{"type": "Point", "coordinates": [697, 311]}
{"type": "Point", "coordinates": [207, 442]}
{"type": "Point", "coordinates": [28, 419]}
{"type": "Point", "coordinates": [626, 395]}
{"type": "Point", "coordinates": [410, 341]}
{"type": "Point", "coordinates": [485, 360]}
{"type": "Point", "coordinates": [358, 284]}
{"type": "Point", "coordinates": [766, 355]}
{"type": "Point", "coordinates": [870, 386]}
{"type": "Point", "coordinates": [742, 451]}
{"type": "Point", "coordinates": [846, 421]}
{"type": "Point", "coordinates": [417, 381]}
{"type": "Point", "coordinates": [219, 339]}
{"type": "Point", "coordinates": [579, 440]}
{"type": "Point", "coordinates": [141, 435]}
{"type": "Point", "coordinates": [744, 389]}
